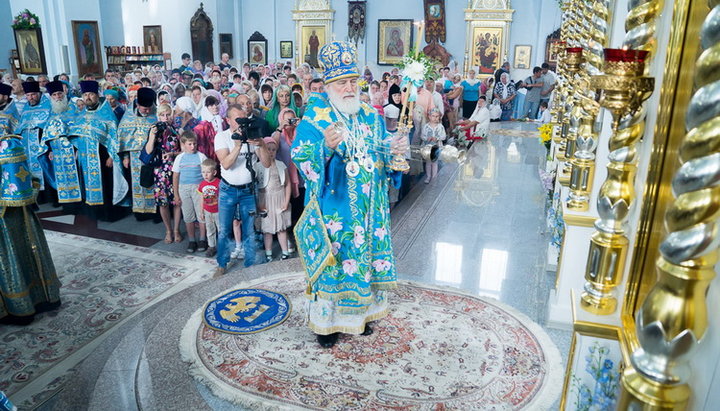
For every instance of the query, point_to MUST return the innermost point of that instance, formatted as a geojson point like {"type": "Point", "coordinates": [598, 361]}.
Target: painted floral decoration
{"type": "Point", "coordinates": [603, 394]}
{"type": "Point", "coordinates": [26, 20]}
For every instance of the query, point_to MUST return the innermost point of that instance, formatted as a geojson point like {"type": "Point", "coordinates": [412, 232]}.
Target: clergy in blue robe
{"type": "Point", "coordinates": [28, 281]}
{"type": "Point", "coordinates": [83, 135]}
{"type": "Point", "coordinates": [133, 133]}
{"type": "Point", "coordinates": [342, 150]}
{"type": "Point", "coordinates": [31, 125]}
{"type": "Point", "coordinates": [8, 111]}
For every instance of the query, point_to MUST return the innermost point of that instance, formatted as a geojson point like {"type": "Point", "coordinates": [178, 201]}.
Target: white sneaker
{"type": "Point", "coordinates": [238, 254]}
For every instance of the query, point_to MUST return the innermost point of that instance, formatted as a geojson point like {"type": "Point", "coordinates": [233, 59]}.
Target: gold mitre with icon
{"type": "Point", "coordinates": [339, 58]}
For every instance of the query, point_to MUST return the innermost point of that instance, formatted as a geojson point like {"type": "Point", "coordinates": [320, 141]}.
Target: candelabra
{"type": "Point", "coordinates": [586, 140]}
{"type": "Point", "coordinates": [623, 90]}
{"type": "Point", "coordinates": [673, 316]}
{"type": "Point", "coordinates": [574, 61]}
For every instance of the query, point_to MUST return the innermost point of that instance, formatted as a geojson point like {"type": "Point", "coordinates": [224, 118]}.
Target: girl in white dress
{"type": "Point", "coordinates": [434, 134]}
{"type": "Point", "coordinates": [275, 190]}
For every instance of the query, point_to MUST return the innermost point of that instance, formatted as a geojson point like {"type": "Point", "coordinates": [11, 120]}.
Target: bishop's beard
{"type": "Point", "coordinates": [59, 106]}
{"type": "Point", "coordinates": [346, 103]}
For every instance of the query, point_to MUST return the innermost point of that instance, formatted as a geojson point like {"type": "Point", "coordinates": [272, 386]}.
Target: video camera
{"type": "Point", "coordinates": [160, 126]}
{"type": "Point", "coordinates": [247, 130]}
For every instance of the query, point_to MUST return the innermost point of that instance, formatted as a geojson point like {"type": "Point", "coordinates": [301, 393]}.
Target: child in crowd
{"type": "Point", "coordinates": [186, 178]}
{"type": "Point", "coordinates": [275, 191]}
{"type": "Point", "coordinates": [433, 133]}
{"type": "Point", "coordinates": [544, 116]}
{"type": "Point", "coordinates": [209, 189]}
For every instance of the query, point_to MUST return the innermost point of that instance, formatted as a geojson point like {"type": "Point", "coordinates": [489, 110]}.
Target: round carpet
{"type": "Point", "coordinates": [437, 349]}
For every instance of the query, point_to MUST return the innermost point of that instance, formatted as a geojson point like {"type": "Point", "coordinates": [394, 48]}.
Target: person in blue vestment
{"type": "Point", "coordinates": [343, 152]}
{"type": "Point", "coordinates": [9, 115]}
{"type": "Point", "coordinates": [28, 281]}
{"type": "Point", "coordinates": [31, 125]}
{"type": "Point", "coordinates": [133, 133]}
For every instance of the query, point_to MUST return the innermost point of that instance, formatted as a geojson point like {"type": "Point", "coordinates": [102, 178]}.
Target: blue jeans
{"type": "Point", "coordinates": [230, 199]}
{"type": "Point", "coordinates": [530, 109]}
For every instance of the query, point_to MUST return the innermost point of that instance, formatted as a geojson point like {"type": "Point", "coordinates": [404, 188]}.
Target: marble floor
{"type": "Point", "coordinates": [479, 227]}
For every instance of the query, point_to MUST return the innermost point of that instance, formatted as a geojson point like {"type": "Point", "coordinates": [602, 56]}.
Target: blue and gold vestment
{"type": "Point", "coordinates": [27, 273]}
{"type": "Point", "coordinates": [132, 135]}
{"type": "Point", "coordinates": [9, 117]}
{"type": "Point", "coordinates": [356, 215]}
{"type": "Point", "coordinates": [30, 126]}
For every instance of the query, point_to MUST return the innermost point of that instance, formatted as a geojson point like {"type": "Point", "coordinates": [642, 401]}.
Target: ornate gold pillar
{"type": "Point", "coordinates": [673, 316]}
{"type": "Point", "coordinates": [609, 243]}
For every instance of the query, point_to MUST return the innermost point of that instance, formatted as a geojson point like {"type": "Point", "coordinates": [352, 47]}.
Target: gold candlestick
{"type": "Point", "coordinates": [623, 90]}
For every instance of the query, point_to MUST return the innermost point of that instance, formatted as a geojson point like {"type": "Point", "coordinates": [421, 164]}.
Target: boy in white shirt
{"type": "Point", "coordinates": [544, 115]}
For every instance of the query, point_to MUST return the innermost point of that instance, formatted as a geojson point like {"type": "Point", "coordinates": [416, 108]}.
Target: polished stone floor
{"type": "Point", "coordinates": [479, 227]}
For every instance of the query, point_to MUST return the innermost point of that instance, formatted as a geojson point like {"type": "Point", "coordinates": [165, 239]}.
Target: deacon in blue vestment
{"type": "Point", "coordinates": [28, 281]}
{"type": "Point", "coordinates": [343, 152]}
{"type": "Point", "coordinates": [32, 122]}
{"type": "Point", "coordinates": [133, 133]}
{"type": "Point", "coordinates": [8, 111]}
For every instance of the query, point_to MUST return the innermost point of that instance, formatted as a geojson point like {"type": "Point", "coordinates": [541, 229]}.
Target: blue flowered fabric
{"type": "Point", "coordinates": [16, 187]}
{"type": "Point", "coordinates": [355, 210]}
{"type": "Point", "coordinates": [246, 311]}
{"type": "Point", "coordinates": [9, 117]}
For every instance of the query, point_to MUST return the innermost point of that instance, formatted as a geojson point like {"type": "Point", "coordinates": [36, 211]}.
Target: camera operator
{"type": "Point", "coordinates": [234, 148]}
{"type": "Point", "coordinates": [253, 114]}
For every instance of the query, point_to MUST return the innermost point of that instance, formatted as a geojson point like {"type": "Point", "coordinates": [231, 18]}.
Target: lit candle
{"type": "Point", "coordinates": [421, 25]}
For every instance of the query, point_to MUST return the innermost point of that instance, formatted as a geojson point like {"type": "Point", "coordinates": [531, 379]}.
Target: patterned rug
{"type": "Point", "coordinates": [438, 349]}
{"type": "Point", "coordinates": [103, 283]}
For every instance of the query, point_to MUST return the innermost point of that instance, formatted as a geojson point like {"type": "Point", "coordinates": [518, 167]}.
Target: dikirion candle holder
{"type": "Point", "coordinates": [623, 89]}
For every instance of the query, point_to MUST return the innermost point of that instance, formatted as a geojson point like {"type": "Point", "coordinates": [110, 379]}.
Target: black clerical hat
{"type": "Point", "coordinates": [31, 86]}
{"type": "Point", "coordinates": [54, 87]}
{"type": "Point", "coordinates": [5, 89]}
{"type": "Point", "coordinates": [89, 86]}
{"type": "Point", "coordinates": [146, 97]}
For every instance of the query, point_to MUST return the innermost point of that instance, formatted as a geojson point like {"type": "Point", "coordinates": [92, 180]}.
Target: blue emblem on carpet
{"type": "Point", "coordinates": [246, 311]}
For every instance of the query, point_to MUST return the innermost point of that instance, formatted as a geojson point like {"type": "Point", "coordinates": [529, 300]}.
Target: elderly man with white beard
{"type": "Point", "coordinates": [343, 152]}
{"type": "Point", "coordinates": [56, 144]}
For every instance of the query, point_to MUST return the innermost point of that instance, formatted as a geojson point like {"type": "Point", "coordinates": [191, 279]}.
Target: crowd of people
{"type": "Point", "coordinates": [157, 141]}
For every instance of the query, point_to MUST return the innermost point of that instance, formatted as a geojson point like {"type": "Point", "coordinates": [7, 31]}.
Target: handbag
{"type": "Point", "coordinates": [147, 169]}
{"type": "Point", "coordinates": [147, 176]}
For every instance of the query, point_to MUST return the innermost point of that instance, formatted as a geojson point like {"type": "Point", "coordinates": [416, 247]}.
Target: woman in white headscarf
{"type": "Point", "coordinates": [183, 118]}
{"type": "Point", "coordinates": [505, 94]}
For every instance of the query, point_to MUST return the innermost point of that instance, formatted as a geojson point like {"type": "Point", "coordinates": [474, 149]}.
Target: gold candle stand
{"type": "Point", "coordinates": [623, 90]}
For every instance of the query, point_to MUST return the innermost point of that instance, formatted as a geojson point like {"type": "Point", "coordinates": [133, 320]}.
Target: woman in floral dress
{"type": "Point", "coordinates": [162, 148]}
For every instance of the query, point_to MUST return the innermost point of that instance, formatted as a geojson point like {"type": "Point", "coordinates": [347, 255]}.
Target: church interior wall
{"type": "Point", "coordinates": [6, 34]}
{"type": "Point", "coordinates": [121, 23]}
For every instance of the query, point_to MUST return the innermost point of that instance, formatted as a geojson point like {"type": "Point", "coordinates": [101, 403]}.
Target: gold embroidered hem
{"type": "Point", "coordinates": [353, 295]}
{"type": "Point", "coordinates": [28, 273]}
{"type": "Point", "coordinates": [327, 317]}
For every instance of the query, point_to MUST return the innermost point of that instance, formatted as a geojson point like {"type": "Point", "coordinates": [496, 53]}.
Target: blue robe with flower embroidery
{"type": "Point", "coordinates": [355, 210]}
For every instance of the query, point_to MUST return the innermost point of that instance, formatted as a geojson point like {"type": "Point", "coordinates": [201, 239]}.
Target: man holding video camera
{"type": "Point", "coordinates": [237, 149]}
